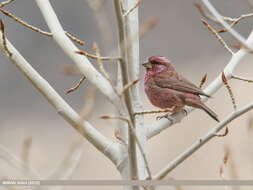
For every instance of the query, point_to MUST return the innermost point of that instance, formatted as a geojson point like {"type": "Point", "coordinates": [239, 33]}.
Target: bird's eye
{"type": "Point", "coordinates": [154, 62]}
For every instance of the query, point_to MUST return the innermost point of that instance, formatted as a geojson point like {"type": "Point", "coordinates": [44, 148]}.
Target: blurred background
{"type": "Point", "coordinates": [178, 34]}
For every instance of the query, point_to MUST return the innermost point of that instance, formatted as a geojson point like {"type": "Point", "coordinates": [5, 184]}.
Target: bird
{"type": "Point", "coordinates": [167, 89]}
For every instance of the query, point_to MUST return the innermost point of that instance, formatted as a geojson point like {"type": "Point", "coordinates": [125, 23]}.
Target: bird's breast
{"type": "Point", "coordinates": [162, 97]}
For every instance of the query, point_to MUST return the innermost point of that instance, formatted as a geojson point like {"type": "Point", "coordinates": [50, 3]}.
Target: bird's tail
{"type": "Point", "coordinates": [210, 112]}
{"type": "Point", "coordinates": [199, 104]}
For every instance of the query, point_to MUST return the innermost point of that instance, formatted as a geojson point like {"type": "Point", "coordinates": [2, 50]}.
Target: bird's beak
{"type": "Point", "coordinates": [147, 65]}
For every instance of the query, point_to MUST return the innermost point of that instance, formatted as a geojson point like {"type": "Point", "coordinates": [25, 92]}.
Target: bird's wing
{"type": "Point", "coordinates": [176, 82]}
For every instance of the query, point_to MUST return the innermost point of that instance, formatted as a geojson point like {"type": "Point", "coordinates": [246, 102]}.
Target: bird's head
{"type": "Point", "coordinates": [157, 64]}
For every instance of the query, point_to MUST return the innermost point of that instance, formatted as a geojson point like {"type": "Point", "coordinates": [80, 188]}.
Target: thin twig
{"type": "Point", "coordinates": [242, 79]}
{"type": "Point", "coordinates": [203, 80]}
{"type": "Point", "coordinates": [96, 57]}
{"type": "Point", "coordinates": [127, 86]}
{"type": "Point", "coordinates": [223, 43]}
{"type": "Point", "coordinates": [151, 112]}
{"type": "Point", "coordinates": [221, 19]}
{"type": "Point", "coordinates": [118, 137]}
{"type": "Point", "coordinates": [134, 7]}
{"type": "Point", "coordinates": [229, 90]}
{"type": "Point", "coordinates": [224, 134]}
{"type": "Point", "coordinates": [5, 3]}
{"type": "Point", "coordinates": [77, 85]}
{"type": "Point", "coordinates": [48, 34]}
{"type": "Point", "coordinates": [75, 39]}
{"type": "Point", "coordinates": [136, 139]}
{"type": "Point", "coordinates": [236, 21]}
{"type": "Point", "coordinates": [101, 67]}
{"type": "Point", "coordinates": [186, 154]}
{"type": "Point", "coordinates": [99, 61]}
{"type": "Point", "coordinates": [208, 16]}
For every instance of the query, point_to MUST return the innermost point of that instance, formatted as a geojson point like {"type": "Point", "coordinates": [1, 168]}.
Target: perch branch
{"type": "Point", "coordinates": [159, 126]}
{"type": "Point", "coordinates": [186, 154]}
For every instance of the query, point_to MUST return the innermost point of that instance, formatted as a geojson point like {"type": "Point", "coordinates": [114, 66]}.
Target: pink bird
{"type": "Point", "coordinates": [167, 89]}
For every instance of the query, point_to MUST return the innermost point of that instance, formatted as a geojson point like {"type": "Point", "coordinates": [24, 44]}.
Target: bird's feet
{"type": "Point", "coordinates": [167, 116]}
{"type": "Point", "coordinates": [186, 113]}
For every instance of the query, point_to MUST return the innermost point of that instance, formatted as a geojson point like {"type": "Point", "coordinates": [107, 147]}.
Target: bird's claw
{"type": "Point", "coordinates": [167, 116]}
{"type": "Point", "coordinates": [186, 113]}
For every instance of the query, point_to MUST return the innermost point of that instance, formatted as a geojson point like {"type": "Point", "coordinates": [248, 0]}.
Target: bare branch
{"type": "Point", "coordinates": [99, 61]}
{"type": "Point", "coordinates": [134, 7]}
{"type": "Point", "coordinates": [235, 34]}
{"type": "Point", "coordinates": [20, 21]}
{"type": "Point", "coordinates": [158, 126]}
{"type": "Point", "coordinates": [124, 69]}
{"type": "Point", "coordinates": [127, 86]}
{"type": "Point", "coordinates": [223, 43]}
{"type": "Point", "coordinates": [203, 80]}
{"type": "Point", "coordinates": [205, 14]}
{"type": "Point", "coordinates": [69, 48]}
{"type": "Point", "coordinates": [224, 134]}
{"type": "Point", "coordinates": [186, 154]}
{"type": "Point", "coordinates": [229, 90]}
{"type": "Point", "coordinates": [133, 131]}
{"type": "Point", "coordinates": [96, 57]}
{"type": "Point", "coordinates": [237, 20]}
{"type": "Point", "coordinates": [151, 112]}
{"type": "Point", "coordinates": [84, 128]}
{"type": "Point", "coordinates": [242, 79]}
{"type": "Point", "coordinates": [3, 4]}
{"type": "Point", "coordinates": [77, 85]}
